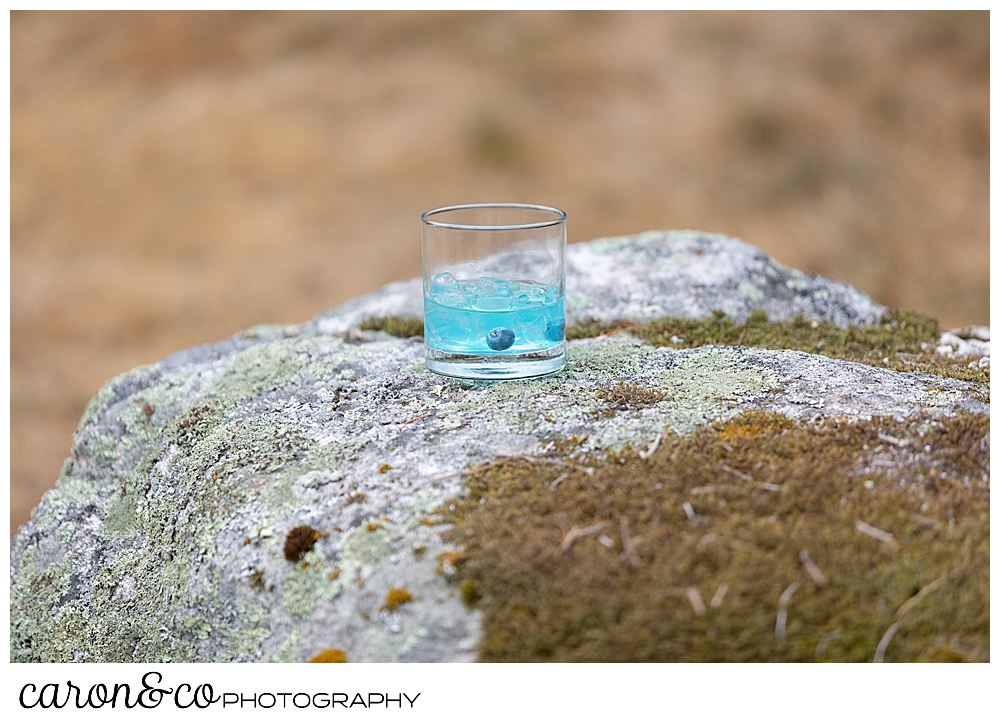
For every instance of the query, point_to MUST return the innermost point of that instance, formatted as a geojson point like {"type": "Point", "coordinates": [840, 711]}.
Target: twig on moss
{"type": "Point", "coordinates": [629, 545]}
{"type": "Point", "coordinates": [926, 522]}
{"type": "Point", "coordinates": [559, 462]}
{"type": "Point", "coordinates": [880, 535]}
{"type": "Point", "coordinates": [555, 483]}
{"type": "Point", "coordinates": [719, 596]}
{"type": "Point", "coordinates": [576, 532]}
{"type": "Point", "coordinates": [693, 595]}
{"type": "Point", "coordinates": [782, 620]}
{"type": "Point", "coordinates": [825, 640]}
{"type": "Point", "coordinates": [904, 609]}
{"type": "Point", "coordinates": [924, 592]}
{"type": "Point", "coordinates": [730, 470]}
{"type": "Point", "coordinates": [884, 642]}
{"type": "Point", "coordinates": [812, 568]}
{"type": "Point", "coordinates": [651, 448]}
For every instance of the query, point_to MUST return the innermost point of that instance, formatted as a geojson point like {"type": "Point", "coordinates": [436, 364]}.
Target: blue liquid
{"type": "Point", "coordinates": [459, 316]}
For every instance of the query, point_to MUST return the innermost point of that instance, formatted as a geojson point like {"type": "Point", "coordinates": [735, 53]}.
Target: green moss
{"type": "Point", "coordinates": [897, 343]}
{"type": "Point", "coordinates": [629, 395]}
{"type": "Point", "coordinates": [401, 326]}
{"type": "Point", "coordinates": [700, 541]}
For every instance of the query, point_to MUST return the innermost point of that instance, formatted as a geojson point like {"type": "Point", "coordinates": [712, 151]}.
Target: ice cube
{"type": "Point", "coordinates": [451, 299]}
{"type": "Point", "coordinates": [486, 285]}
{"type": "Point", "coordinates": [491, 302]}
{"type": "Point", "coordinates": [530, 296]}
{"type": "Point", "coordinates": [533, 322]}
{"type": "Point", "coordinates": [444, 281]}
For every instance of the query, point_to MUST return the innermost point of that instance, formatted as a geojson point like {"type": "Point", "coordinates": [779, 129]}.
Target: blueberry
{"type": "Point", "coordinates": [555, 330]}
{"type": "Point", "coordinates": [500, 338]}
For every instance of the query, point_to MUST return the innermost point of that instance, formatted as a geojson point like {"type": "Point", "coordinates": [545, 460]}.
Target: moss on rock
{"type": "Point", "coordinates": [399, 326]}
{"type": "Point", "coordinates": [698, 552]}
{"type": "Point", "coordinates": [904, 340]}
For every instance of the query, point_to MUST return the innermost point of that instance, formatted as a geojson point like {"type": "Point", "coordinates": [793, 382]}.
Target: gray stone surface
{"type": "Point", "coordinates": [660, 273]}
{"type": "Point", "coordinates": [163, 537]}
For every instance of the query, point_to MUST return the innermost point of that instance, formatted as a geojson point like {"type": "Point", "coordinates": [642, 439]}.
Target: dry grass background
{"type": "Point", "coordinates": [177, 177]}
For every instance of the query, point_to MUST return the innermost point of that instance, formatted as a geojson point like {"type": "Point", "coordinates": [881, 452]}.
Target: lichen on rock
{"type": "Point", "coordinates": [164, 537]}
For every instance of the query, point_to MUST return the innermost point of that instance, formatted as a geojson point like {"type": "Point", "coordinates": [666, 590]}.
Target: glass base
{"type": "Point", "coordinates": [496, 366]}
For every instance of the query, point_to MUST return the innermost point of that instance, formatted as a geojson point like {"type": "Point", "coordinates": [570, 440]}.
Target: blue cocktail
{"type": "Point", "coordinates": [494, 291]}
{"type": "Point", "coordinates": [493, 316]}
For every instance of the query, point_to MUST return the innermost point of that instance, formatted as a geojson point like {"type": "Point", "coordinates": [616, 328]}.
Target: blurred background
{"type": "Point", "coordinates": [177, 177]}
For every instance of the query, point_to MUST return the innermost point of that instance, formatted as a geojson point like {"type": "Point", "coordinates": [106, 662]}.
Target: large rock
{"type": "Point", "coordinates": [659, 273]}
{"type": "Point", "coordinates": [165, 536]}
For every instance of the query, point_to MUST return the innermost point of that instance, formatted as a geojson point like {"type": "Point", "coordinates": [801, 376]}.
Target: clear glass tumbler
{"type": "Point", "coordinates": [494, 290]}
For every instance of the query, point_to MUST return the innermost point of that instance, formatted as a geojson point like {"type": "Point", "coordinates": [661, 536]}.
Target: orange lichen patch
{"type": "Point", "coordinates": [331, 655]}
{"type": "Point", "coordinates": [334, 575]}
{"type": "Point", "coordinates": [301, 540]}
{"type": "Point", "coordinates": [384, 468]}
{"type": "Point", "coordinates": [397, 596]}
{"type": "Point", "coordinates": [372, 526]}
{"type": "Point", "coordinates": [754, 424]}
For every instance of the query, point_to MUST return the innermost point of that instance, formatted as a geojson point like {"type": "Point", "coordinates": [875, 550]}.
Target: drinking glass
{"type": "Point", "coordinates": [494, 290]}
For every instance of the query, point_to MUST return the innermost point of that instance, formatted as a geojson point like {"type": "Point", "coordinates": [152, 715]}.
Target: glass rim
{"type": "Point", "coordinates": [560, 217]}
